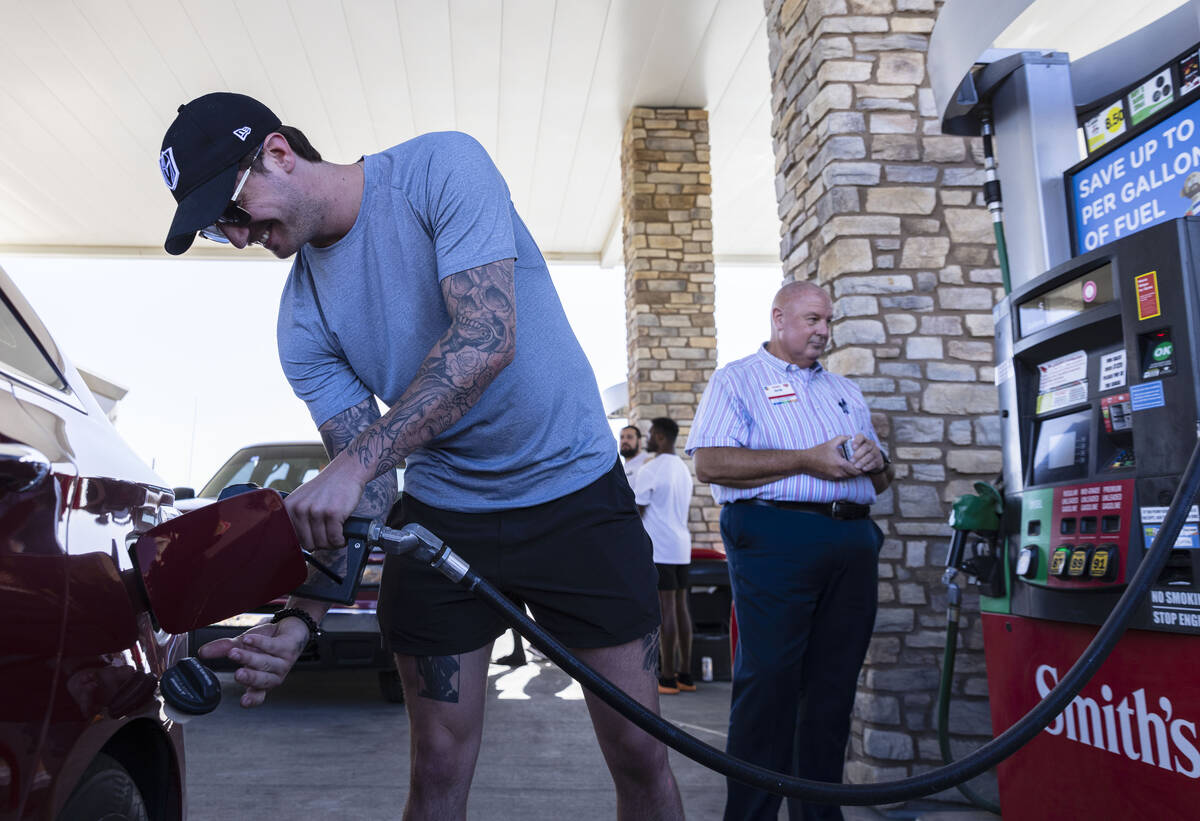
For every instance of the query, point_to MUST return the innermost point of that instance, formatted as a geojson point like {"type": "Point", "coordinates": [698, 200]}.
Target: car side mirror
{"type": "Point", "coordinates": [184, 493]}
{"type": "Point", "coordinates": [218, 561]}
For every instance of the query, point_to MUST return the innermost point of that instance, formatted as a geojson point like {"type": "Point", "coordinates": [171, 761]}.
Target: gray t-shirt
{"type": "Point", "coordinates": [358, 317]}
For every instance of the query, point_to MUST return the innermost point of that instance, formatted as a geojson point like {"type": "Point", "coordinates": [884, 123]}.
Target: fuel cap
{"type": "Point", "coordinates": [191, 688]}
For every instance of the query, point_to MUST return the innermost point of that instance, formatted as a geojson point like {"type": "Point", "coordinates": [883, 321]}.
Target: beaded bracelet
{"type": "Point", "coordinates": [313, 629]}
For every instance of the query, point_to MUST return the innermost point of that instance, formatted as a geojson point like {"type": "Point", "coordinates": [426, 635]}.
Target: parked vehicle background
{"type": "Point", "coordinates": [350, 636]}
{"type": "Point", "coordinates": [710, 601]}
{"type": "Point", "coordinates": [83, 730]}
{"type": "Point", "coordinates": [281, 466]}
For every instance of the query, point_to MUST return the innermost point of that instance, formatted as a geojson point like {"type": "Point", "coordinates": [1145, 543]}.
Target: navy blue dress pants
{"type": "Point", "coordinates": [804, 590]}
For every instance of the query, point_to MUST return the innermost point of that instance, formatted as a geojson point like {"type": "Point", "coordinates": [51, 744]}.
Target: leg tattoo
{"type": "Point", "coordinates": [650, 651]}
{"type": "Point", "coordinates": [439, 677]}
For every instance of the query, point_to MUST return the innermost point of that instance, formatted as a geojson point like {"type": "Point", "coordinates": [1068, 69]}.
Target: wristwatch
{"type": "Point", "coordinates": [883, 468]}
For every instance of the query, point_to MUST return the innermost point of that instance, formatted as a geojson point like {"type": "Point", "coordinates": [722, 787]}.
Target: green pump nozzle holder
{"type": "Point", "coordinates": [977, 513]}
{"type": "Point", "coordinates": [980, 513]}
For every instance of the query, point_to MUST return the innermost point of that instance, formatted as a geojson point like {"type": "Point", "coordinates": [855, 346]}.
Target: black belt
{"type": "Point", "coordinates": [834, 510]}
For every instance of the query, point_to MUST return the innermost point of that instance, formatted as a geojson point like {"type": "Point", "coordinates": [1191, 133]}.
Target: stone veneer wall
{"type": "Point", "coordinates": [666, 199]}
{"type": "Point", "coordinates": [886, 213]}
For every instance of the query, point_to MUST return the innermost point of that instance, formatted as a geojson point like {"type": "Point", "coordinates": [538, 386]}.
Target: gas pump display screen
{"type": "Point", "coordinates": [1088, 291]}
{"type": "Point", "coordinates": [1061, 454]}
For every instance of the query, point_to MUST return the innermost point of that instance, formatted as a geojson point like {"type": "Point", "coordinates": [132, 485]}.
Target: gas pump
{"type": "Point", "coordinates": [1105, 369]}
{"type": "Point", "coordinates": [1098, 368]}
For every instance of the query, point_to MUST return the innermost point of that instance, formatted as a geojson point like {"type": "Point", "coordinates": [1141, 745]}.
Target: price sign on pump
{"type": "Point", "coordinates": [1105, 126]}
{"type": "Point", "coordinates": [1150, 179]}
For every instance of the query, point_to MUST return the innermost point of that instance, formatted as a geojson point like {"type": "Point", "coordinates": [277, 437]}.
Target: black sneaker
{"type": "Point", "coordinates": [685, 683]}
{"type": "Point", "coordinates": [667, 686]}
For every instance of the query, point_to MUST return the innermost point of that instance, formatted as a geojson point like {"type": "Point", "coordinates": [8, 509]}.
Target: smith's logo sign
{"type": "Point", "coordinates": [1131, 727]}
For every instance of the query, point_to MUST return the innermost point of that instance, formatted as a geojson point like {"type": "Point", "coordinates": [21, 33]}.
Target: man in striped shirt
{"type": "Point", "coordinates": [795, 462]}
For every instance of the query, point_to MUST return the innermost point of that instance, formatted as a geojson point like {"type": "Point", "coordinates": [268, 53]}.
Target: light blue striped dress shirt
{"type": "Point", "coordinates": [764, 403]}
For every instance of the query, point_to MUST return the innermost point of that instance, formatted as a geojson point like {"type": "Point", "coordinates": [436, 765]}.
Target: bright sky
{"type": "Point", "coordinates": [193, 341]}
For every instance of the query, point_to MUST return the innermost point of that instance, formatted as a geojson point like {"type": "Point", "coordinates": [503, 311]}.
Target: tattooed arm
{"type": "Point", "coordinates": [377, 498]}
{"type": "Point", "coordinates": [478, 345]}
{"type": "Point", "coordinates": [267, 652]}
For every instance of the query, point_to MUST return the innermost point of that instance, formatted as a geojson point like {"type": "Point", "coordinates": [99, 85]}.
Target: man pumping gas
{"type": "Point", "coordinates": [415, 282]}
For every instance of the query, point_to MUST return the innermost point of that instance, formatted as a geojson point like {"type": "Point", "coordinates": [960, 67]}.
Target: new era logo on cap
{"type": "Point", "coordinates": [242, 133]}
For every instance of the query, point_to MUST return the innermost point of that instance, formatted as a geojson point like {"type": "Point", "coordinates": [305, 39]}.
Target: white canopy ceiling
{"type": "Point", "coordinates": [90, 86]}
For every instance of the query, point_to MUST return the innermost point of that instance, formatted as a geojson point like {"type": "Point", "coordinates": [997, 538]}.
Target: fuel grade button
{"type": "Point", "coordinates": [1078, 564]}
{"type": "Point", "coordinates": [1103, 566]}
{"type": "Point", "coordinates": [1058, 562]}
{"type": "Point", "coordinates": [1027, 562]}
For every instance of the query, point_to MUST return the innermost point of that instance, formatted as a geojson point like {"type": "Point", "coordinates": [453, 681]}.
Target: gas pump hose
{"type": "Point", "coordinates": [422, 545]}
{"type": "Point", "coordinates": [953, 605]}
{"type": "Point", "coordinates": [993, 197]}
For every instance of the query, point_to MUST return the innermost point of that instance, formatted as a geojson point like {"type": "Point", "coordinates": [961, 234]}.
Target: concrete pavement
{"type": "Point", "coordinates": [327, 745]}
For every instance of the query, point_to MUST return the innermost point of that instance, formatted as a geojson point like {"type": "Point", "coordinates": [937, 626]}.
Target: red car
{"type": "Point", "coordinates": [84, 727]}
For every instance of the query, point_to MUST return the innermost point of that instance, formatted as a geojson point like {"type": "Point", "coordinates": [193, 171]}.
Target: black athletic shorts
{"type": "Point", "coordinates": [582, 564]}
{"type": "Point", "coordinates": [672, 576]}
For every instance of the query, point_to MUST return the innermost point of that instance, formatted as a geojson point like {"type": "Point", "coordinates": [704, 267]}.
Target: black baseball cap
{"type": "Point", "coordinates": [200, 155]}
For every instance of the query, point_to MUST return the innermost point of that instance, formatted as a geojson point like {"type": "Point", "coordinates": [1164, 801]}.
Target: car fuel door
{"type": "Point", "coordinates": [219, 560]}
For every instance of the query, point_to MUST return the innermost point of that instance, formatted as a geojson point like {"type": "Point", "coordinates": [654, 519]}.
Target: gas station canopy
{"type": "Point", "coordinates": [90, 87]}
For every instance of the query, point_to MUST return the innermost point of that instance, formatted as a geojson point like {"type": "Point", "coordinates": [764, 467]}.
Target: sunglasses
{"type": "Point", "coordinates": [233, 214]}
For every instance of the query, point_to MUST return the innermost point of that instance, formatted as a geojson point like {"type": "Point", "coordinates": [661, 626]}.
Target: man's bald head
{"type": "Point", "coordinates": [800, 317]}
{"type": "Point", "coordinates": [794, 290]}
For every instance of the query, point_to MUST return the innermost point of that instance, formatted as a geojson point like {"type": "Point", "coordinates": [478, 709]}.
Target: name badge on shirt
{"type": "Point", "coordinates": [780, 394]}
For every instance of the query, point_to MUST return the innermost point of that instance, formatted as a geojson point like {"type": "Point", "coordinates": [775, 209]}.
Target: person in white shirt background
{"type": "Point", "coordinates": [630, 446]}
{"type": "Point", "coordinates": [663, 493]}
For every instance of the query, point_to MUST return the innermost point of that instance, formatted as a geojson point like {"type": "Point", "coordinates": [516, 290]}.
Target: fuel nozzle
{"type": "Point", "coordinates": [412, 541]}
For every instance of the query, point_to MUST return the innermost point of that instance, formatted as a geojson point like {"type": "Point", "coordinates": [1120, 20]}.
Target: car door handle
{"type": "Point", "coordinates": [21, 467]}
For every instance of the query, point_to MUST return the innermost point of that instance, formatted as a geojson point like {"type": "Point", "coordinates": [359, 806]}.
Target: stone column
{"type": "Point", "coordinates": [886, 213]}
{"type": "Point", "coordinates": [672, 338]}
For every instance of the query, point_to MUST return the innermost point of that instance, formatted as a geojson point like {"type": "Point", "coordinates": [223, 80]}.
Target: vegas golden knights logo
{"type": "Point", "coordinates": [170, 171]}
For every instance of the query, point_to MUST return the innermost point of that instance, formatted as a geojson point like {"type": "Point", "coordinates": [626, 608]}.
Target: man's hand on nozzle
{"type": "Point", "coordinates": [266, 654]}
{"type": "Point", "coordinates": [320, 506]}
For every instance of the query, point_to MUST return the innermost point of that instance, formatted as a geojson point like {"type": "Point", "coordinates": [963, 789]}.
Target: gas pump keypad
{"type": "Point", "coordinates": [1089, 524]}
